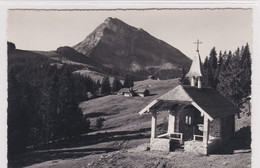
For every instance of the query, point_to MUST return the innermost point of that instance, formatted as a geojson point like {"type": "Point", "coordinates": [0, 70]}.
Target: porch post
{"type": "Point", "coordinates": [177, 123]}
{"type": "Point", "coordinates": [199, 82]}
{"type": "Point", "coordinates": [171, 122]}
{"type": "Point", "coordinates": [205, 131]}
{"type": "Point", "coordinates": [154, 123]}
{"type": "Point", "coordinates": [192, 83]}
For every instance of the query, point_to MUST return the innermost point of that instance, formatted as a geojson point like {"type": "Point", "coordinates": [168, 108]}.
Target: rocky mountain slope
{"type": "Point", "coordinates": [117, 44]}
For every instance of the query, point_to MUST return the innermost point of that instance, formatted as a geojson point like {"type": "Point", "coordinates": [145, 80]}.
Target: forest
{"type": "Point", "coordinates": [230, 74]}
{"type": "Point", "coordinates": [43, 101]}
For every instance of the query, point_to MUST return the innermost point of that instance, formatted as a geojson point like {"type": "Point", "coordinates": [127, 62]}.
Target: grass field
{"type": "Point", "coordinates": [121, 113]}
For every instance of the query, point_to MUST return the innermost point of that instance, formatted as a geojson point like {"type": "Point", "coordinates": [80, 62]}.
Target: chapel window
{"type": "Point", "coordinates": [188, 120]}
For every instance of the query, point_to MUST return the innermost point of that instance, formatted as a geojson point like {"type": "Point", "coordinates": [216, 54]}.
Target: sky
{"type": "Point", "coordinates": [224, 29]}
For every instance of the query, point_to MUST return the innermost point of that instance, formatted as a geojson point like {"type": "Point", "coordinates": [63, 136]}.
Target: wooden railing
{"type": "Point", "coordinates": [197, 136]}
{"type": "Point", "coordinates": [173, 136]}
{"type": "Point", "coordinates": [177, 136]}
{"type": "Point", "coordinates": [163, 135]}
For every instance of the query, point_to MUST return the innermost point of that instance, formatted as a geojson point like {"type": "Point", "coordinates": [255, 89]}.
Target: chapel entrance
{"type": "Point", "coordinates": [191, 123]}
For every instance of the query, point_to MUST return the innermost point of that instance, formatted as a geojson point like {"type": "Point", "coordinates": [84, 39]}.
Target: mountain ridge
{"type": "Point", "coordinates": [114, 43]}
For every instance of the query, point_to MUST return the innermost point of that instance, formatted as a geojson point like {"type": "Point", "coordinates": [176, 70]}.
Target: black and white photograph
{"type": "Point", "coordinates": [129, 87]}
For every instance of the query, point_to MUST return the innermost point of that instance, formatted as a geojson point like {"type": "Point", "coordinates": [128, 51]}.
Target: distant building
{"type": "Point", "coordinates": [142, 92]}
{"type": "Point", "coordinates": [151, 77]}
{"type": "Point", "coordinates": [200, 119]}
{"type": "Point", "coordinates": [130, 92]}
{"type": "Point", "coordinates": [126, 92]}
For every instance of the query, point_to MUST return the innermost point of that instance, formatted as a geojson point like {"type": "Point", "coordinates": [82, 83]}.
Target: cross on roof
{"type": "Point", "coordinates": [198, 42]}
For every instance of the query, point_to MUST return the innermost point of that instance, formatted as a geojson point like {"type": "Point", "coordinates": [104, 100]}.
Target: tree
{"type": "Point", "coordinates": [105, 86]}
{"type": "Point", "coordinates": [245, 65]}
{"type": "Point", "coordinates": [54, 102]}
{"type": "Point", "coordinates": [68, 111]}
{"type": "Point", "coordinates": [205, 71]}
{"type": "Point", "coordinates": [213, 63]}
{"type": "Point", "coordinates": [100, 123]}
{"type": "Point", "coordinates": [184, 80]}
{"type": "Point", "coordinates": [42, 103]}
{"type": "Point", "coordinates": [117, 85]}
{"type": "Point", "coordinates": [98, 85]}
{"type": "Point", "coordinates": [219, 66]}
{"type": "Point", "coordinates": [44, 112]}
{"type": "Point", "coordinates": [15, 127]}
{"type": "Point", "coordinates": [235, 76]}
{"type": "Point", "coordinates": [129, 82]}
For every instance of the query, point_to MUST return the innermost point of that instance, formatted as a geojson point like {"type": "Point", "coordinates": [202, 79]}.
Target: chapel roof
{"type": "Point", "coordinates": [207, 99]}
{"type": "Point", "coordinates": [123, 90]}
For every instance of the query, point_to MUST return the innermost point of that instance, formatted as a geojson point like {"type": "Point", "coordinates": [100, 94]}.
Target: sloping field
{"type": "Point", "coordinates": [121, 113]}
{"type": "Point", "coordinates": [96, 75]}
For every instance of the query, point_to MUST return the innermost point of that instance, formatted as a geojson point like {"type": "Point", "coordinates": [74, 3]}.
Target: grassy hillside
{"type": "Point", "coordinates": [94, 75]}
{"type": "Point", "coordinates": [121, 113]}
{"type": "Point", "coordinates": [65, 56]}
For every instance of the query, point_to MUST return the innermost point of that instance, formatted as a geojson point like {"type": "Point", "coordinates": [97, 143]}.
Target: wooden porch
{"type": "Point", "coordinates": [198, 143]}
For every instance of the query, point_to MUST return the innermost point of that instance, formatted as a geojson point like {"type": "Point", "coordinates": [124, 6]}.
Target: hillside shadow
{"type": "Point", "coordinates": [48, 155]}
{"type": "Point", "coordinates": [101, 138]}
{"type": "Point", "coordinates": [153, 94]}
{"type": "Point", "coordinates": [77, 147]}
{"type": "Point", "coordinates": [99, 114]}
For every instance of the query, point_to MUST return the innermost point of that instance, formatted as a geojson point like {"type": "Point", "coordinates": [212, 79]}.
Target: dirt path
{"type": "Point", "coordinates": [138, 157]}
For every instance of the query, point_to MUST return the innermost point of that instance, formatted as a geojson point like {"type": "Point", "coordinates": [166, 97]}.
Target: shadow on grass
{"type": "Point", "coordinates": [76, 148]}
{"type": "Point", "coordinates": [151, 94]}
{"type": "Point", "coordinates": [99, 114]}
{"type": "Point", "coordinates": [48, 155]}
{"type": "Point", "coordinates": [100, 138]}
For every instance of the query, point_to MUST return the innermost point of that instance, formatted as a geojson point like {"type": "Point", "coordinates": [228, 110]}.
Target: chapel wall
{"type": "Point", "coordinates": [215, 129]}
{"type": "Point", "coordinates": [228, 127]}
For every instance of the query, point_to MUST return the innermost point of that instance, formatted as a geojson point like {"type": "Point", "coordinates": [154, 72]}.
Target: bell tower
{"type": "Point", "coordinates": [195, 70]}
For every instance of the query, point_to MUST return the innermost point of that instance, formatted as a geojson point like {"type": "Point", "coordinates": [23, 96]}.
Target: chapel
{"type": "Point", "coordinates": [200, 119]}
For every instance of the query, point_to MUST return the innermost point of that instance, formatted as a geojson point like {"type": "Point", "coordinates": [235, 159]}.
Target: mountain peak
{"type": "Point", "coordinates": [116, 44]}
{"type": "Point", "coordinates": [115, 24]}
{"type": "Point", "coordinates": [113, 20]}
{"type": "Point", "coordinates": [110, 19]}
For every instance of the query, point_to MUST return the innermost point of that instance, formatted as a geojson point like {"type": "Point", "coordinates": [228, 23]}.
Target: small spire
{"type": "Point", "coordinates": [195, 69]}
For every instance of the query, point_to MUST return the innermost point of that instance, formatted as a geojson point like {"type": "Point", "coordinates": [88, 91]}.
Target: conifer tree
{"type": "Point", "coordinates": [219, 66]}
{"type": "Point", "coordinates": [245, 65]}
{"type": "Point", "coordinates": [117, 85]}
{"type": "Point", "coordinates": [100, 123]}
{"type": "Point", "coordinates": [129, 82]}
{"type": "Point", "coordinates": [69, 113]}
{"type": "Point", "coordinates": [205, 69]}
{"type": "Point", "coordinates": [184, 80]}
{"type": "Point", "coordinates": [14, 117]}
{"type": "Point", "coordinates": [105, 86]}
{"type": "Point", "coordinates": [213, 61]}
